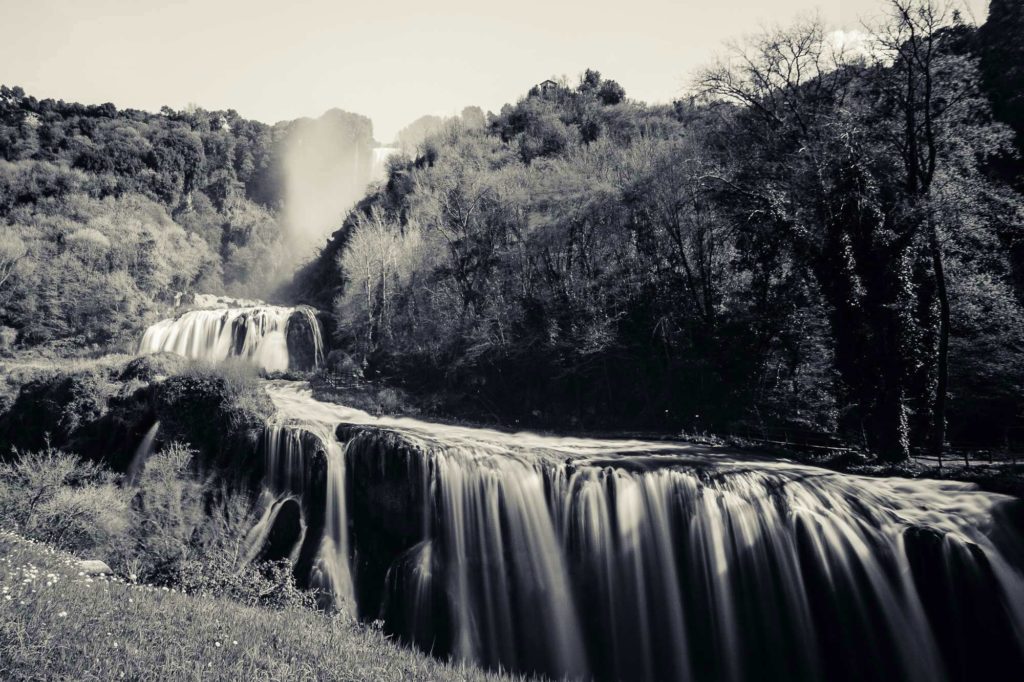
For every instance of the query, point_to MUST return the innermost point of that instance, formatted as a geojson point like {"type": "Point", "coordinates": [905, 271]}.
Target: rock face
{"type": "Point", "coordinates": [59, 409]}
{"type": "Point", "coordinates": [94, 567]}
{"type": "Point", "coordinates": [105, 415]}
{"type": "Point", "coordinates": [386, 507]}
{"type": "Point", "coordinates": [285, 532]}
{"type": "Point", "coordinates": [305, 340]}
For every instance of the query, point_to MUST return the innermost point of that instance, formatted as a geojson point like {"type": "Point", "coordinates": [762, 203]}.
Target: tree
{"type": "Point", "coordinates": [1002, 54]}
{"type": "Point", "coordinates": [611, 92]}
{"type": "Point", "coordinates": [933, 92]}
{"type": "Point", "coordinates": [376, 265]}
{"type": "Point", "coordinates": [810, 176]}
{"type": "Point", "coordinates": [12, 251]}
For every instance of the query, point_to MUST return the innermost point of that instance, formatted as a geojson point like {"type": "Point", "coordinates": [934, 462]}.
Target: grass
{"type": "Point", "coordinates": [57, 624]}
{"type": "Point", "coordinates": [15, 372]}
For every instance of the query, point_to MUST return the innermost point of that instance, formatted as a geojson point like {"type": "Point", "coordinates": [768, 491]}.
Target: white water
{"type": "Point", "coordinates": [257, 334]}
{"type": "Point", "coordinates": [380, 162]}
{"type": "Point", "coordinates": [296, 447]}
{"type": "Point", "coordinates": [617, 559]}
{"type": "Point", "coordinates": [649, 560]}
{"type": "Point", "coordinates": [142, 452]}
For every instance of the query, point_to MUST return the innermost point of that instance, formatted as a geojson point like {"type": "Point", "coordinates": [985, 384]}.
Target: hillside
{"type": "Point", "coordinates": [107, 213]}
{"type": "Point", "coordinates": [100, 629]}
{"type": "Point", "coordinates": [765, 256]}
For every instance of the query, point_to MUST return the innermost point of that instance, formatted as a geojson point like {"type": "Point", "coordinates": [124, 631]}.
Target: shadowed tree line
{"type": "Point", "coordinates": [824, 236]}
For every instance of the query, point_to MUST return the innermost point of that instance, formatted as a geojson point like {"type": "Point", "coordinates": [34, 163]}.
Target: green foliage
{"type": "Point", "coordinates": [168, 528]}
{"type": "Point", "coordinates": [58, 498]}
{"type": "Point", "coordinates": [101, 630]}
{"type": "Point", "coordinates": [766, 253]}
{"type": "Point", "coordinates": [105, 215]}
{"type": "Point", "coordinates": [1002, 57]}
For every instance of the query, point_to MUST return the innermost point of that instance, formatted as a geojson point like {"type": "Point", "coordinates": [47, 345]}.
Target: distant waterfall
{"type": "Point", "coordinates": [379, 171]}
{"type": "Point", "coordinates": [267, 336]}
{"type": "Point", "coordinates": [649, 561]}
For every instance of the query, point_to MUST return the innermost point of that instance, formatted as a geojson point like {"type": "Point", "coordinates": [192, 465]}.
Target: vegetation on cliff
{"type": "Point", "coordinates": [105, 214]}
{"type": "Point", "coordinates": [822, 239]}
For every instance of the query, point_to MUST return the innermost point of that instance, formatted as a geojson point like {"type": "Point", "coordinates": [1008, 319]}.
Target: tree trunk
{"type": "Point", "coordinates": [937, 436]}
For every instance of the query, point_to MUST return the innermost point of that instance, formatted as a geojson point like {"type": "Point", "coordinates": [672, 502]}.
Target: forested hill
{"type": "Point", "coordinates": [105, 213]}
{"type": "Point", "coordinates": [819, 239]}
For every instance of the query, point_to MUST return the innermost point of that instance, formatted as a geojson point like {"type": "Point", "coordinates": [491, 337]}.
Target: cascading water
{"type": "Point", "coordinates": [142, 452]}
{"type": "Point", "coordinates": [274, 338]}
{"type": "Point", "coordinates": [379, 169]}
{"type": "Point", "coordinates": [304, 463]}
{"type": "Point", "coordinates": [634, 560]}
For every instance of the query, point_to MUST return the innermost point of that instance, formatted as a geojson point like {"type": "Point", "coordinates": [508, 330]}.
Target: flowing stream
{"type": "Point", "coordinates": [651, 560]}
{"type": "Point", "coordinates": [623, 559]}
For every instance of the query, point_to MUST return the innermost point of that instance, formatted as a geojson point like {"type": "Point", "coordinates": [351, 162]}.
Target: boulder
{"type": "Point", "coordinates": [221, 417]}
{"type": "Point", "coordinates": [56, 410]}
{"type": "Point", "coordinates": [94, 567]}
{"type": "Point", "coordinates": [303, 336]}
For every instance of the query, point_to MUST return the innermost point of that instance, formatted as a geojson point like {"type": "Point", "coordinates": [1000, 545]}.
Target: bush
{"type": "Point", "coordinates": [192, 535]}
{"type": "Point", "coordinates": [342, 364]}
{"type": "Point", "coordinates": [170, 529]}
{"type": "Point", "coordinates": [8, 336]}
{"type": "Point", "coordinates": [58, 498]}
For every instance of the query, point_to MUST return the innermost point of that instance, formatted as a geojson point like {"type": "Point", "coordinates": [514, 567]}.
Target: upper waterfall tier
{"type": "Point", "coordinates": [274, 338]}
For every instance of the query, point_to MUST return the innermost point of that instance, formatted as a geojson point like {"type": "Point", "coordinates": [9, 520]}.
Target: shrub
{"type": "Point", "coordinates": [342, 364]}
{"type": "Point", "coordinates": [8, 336]}
{"type": "Point", "coordinates": [56, 497]}
{"type": "Point", "coordinates": [165, 511]}
{"type": "Point", "coordinates": [170, 529]}
{"type": "Point", "coordinates": [189, 534]}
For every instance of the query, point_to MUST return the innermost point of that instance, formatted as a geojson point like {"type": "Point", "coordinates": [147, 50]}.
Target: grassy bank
{"type": "Point", "coordinates": [56, 624]}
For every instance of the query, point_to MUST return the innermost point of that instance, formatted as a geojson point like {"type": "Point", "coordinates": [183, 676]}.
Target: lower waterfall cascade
{"type": "Point", "coordinates": [639, 560]}
{"type": "Point", "coordinates": [617, 559]}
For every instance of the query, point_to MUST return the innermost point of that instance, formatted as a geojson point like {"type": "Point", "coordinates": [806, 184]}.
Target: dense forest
{"type": "Point", "coordinates": [823, 236]}
{"type": "Point", "coordinates": [107, 213]}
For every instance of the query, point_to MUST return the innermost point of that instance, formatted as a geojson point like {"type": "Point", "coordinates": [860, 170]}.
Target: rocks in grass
{"type": "Point", "coordinates": [94, 567]}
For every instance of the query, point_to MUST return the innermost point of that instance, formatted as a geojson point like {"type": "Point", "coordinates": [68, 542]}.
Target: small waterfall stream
{"type": "Point", "coordinates": [142, 452]}
{"type": "Point", "coordinates": [649, 560]}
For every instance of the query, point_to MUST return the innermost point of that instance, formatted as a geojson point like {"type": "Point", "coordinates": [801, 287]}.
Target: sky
{"type": "Point", "coordinates": [391, 60]}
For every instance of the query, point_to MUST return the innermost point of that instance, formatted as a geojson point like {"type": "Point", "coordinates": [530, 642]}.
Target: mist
{"type": "Point", "coordinates": [326, 165]}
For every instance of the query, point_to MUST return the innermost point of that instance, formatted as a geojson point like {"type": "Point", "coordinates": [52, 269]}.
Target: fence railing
{"type": "Point", "coordinates": [826, 443]}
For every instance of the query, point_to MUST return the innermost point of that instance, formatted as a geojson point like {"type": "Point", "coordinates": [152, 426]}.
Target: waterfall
{"type": "Point", "coordinates": [647, 560]}
{"type": "Point", "coordinates": [273, 338]}
{"type": "Point", "coordinates": [379, 169]}
{"type": "Point", "coordinates": [142, 452]}
{"type": "Point", "coordinates": [303, 461]}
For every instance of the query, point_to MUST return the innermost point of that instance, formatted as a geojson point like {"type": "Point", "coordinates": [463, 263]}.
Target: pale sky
{"type": "Point", "coordinates": [392, 61]}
